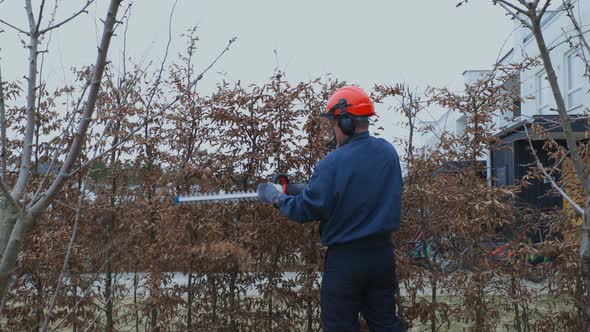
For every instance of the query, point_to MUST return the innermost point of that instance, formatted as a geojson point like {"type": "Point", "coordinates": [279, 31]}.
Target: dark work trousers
{"type": "Point", "coordinates": [359, 277]}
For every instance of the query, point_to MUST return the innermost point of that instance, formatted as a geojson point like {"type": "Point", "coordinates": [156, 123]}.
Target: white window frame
{"type": "Point", "coordinates": [571, 90]}
{"type": "Point", "coordinates": [460, 125]}
{"type": "Point", "coordinates": [508, 116]}
{"type": "Point", "coordinates": [542, 105]}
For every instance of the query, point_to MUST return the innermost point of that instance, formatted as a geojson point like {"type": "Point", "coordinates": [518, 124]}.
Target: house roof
{"type": "Point", "coordinates": [461, 165]}
{"type": "Point", "coordinates": [476, 71]}
{"type": "Point", "coordinates": [506, 55]}
{"type": "Point", "coordinates": [551, 123]}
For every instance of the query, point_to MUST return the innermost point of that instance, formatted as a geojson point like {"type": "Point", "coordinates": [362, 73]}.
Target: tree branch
{"type": "Point", "coordinates": [524, 3]}
{"type": "Point", "coordinates": [164, 109]}
{"type": "Point", "coordinates": [86, 117]}
{"type": "Point", "coordinates": [581, 34]}
{"type": "Point", "coordinates": [159, 78]}
{"type": "Point", "coordinates": [78, 13]}
{"type": "Point", "coordinates": [30, 16]}
{"type": "Point", "coordinates": [120, 248]}
{"type": "Point", "coordinates": [2, 130]}
{"type": "Point", "coordinates": [568, 40]}
{"type": "Point", "coordinates": [544, 9]}
{"type": "Point", "coordinates": [62, 142]}
{"type": "Point", "coordinates": [30, 114]}
{"type": "Point", "coordinates": [90, 326]}
{"type": "Point", "coordinates": [64, 269]}
{"type": "Point", "coordinates": [548, 177]}
{"type": "Point", "coordinates": [41, 7]}
{"type": "Point", "coordinates": [514, 7]}
{"type": "Point", "coordinates": [13, 248]}
{"type": "Point", "coordinates": [14, 27]}
{"type": "Point", "coordinates": [6, 223]}
{"type": "Point", "coordinates": [8, 196]}
{"type": "Point", "coordinates": [515, 14]}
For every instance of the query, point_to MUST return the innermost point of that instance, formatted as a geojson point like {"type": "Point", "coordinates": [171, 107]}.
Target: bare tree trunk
{"type": "Point", "coordinates": [6, 225]}
{"type": "Point", "coordinates": [561, 108]}
{"type": "Point", "coordinates": [8, 262]}
{"type": "Point", "coordinates": [213, 291]}
{"type": "Point", "coordinates": [398, 301]}
{"type": "Point", "coordinates": [39, 303]}
{"type": "Point", "coordinates": [7, 220]}
{"type": "Point", "coordinates": [514, 295]}
{"type": "Point", "coordinates": [108, 287]}
{"type": "Point", "coordinates": [525, 315]}
{"type": "Point", "coordinates": [154, 319]}
{"type": "Point", "coordinates": [2, 133]}
{"type": "Point", "coordinates": [308, 304]}
{"type": "Point", "coordinates": [33, 47]}
{"type": "Point", "coordinates": [26, 218]}
{"type": "Point", "coordinates": [410, 141]}
{"type": "Point", "coordinates": [585, 259]}
{"type": "Point", "coordinates": [574, 153]}
{"type": "Point", "coordinates": [189, 302]}
{"type": "Point", "coordinates": [75, 298]}
{"type": "Point", "coordinates": [434, 281]}
{"type": "Point", "coordinates": [136, 313]}
{"type": "Point", "coordinates": [108, 294]}
{"type": "Point", "coordinates": [479, 318]}
{"type": "Point", "coordinates": [517, 317]}
{"type": "Point", "coordinates": [232, 298]}
{"type": "Point", "coordinates": [65, 266]}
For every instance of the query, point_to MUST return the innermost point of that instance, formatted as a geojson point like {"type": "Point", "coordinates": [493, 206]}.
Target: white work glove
{"type": "Point", "coordinates": [269, 192]}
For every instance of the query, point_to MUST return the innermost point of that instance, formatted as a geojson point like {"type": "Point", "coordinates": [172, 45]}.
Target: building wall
{"type": "Point", "coordinates": [451, 122]}
{"type": "Point", "coordinates": [533, 88]}
{"type": "Point", "coordinates": [568, 66]}
{"type": "Point", "coordinates": [503, 118]}
{"type": "Point", "coordinates": [503, 165]}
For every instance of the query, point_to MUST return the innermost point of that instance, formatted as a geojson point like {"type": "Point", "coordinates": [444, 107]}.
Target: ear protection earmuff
{"type": "Point", "coordinates": [346, 121]}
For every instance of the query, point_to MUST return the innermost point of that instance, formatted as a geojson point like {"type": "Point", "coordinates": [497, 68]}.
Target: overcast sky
{"type": "Point", "coordinates": [420, 42]}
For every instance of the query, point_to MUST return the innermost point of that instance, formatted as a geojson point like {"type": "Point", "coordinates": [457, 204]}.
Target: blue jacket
{"type": "Point", "coordinates": [355, 191]}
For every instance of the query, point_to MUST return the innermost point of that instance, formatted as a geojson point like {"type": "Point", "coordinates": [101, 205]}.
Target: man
{"type": "Point", "coordinates": [355, 193]}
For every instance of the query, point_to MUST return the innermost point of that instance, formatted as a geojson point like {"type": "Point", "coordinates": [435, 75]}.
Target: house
{"type": "Point", "coordinates": [509, 161]}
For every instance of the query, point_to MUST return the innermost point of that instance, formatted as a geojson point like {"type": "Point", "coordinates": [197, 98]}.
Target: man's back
{"type": "Point", "coordinates": [355, 192]}
{"type": "Point", "coordinates": [368, 188]}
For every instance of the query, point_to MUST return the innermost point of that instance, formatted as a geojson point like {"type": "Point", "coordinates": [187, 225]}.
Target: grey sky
{"type": "Point", "coordinates": [421, 42]}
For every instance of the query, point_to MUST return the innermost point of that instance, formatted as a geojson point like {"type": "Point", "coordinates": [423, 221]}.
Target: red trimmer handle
{"type": "Point", "coordinates": [281, 179]}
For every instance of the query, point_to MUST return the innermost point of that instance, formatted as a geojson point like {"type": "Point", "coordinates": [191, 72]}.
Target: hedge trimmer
{"type": "Point", "coordinates": [281, 179]}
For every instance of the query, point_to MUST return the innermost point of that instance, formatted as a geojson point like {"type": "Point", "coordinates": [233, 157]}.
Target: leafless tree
{"type": "Point", "coordinates": [17, 211]}
{"type": "Point", "coordinates": [409, 105]}
{"type": "Point", "coordinates": [531, 14]}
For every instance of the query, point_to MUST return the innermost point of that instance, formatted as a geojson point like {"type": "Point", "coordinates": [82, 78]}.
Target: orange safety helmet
{"type": "Point", "coordinates": [358, 102]}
